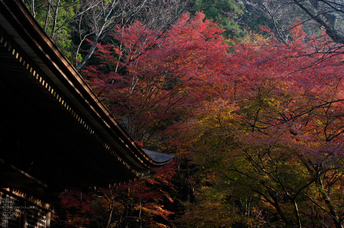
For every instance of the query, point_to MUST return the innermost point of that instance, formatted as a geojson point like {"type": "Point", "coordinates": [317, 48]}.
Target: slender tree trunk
{"type": "Point", "coordinates": [33, 8]}
{"type": "Point", "coordinates": [327, 200]}
{"type": "Point", "coordinates": [140, 214]}
{"type": "Point", "coordinates": [46, 22]}
{"type": "Point", "coordinates": [110, 215]}
{"type": "Point", "coordinates": [55, 19]}
{"type": "Point", "coordinates": [296, 209]}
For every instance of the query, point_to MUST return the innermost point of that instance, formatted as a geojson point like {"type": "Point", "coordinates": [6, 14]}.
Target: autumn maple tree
{"type": "Point", "coordinates": [271, 147]}
{"type": "Point", "coordinates": [262, 124]}
{"type": "Point", "coordinates": [148, 78]}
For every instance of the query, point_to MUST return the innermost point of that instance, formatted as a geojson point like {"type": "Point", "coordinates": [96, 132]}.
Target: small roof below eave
{"type": "Point", "coordinates": [13, 177]}
{"type": "Point", "coordinates": [158, 157]}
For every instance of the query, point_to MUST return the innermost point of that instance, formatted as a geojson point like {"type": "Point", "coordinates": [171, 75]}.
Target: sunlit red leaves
{"type": "Point", "coordinates": [148, 78]}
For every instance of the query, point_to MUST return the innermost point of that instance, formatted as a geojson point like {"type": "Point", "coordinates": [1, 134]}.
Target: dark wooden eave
{"type": "Point", "coordinates": [61, 126]}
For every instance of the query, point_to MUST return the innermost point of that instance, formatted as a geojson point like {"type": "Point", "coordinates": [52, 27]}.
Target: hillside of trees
{"type": "Point", "coordinates": [248, 96]}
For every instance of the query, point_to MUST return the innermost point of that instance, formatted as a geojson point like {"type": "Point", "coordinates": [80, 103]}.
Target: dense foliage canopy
{"type": "Point", "coordinates": [254, 114]}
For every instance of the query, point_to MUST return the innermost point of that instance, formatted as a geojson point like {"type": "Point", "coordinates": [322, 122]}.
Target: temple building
{"type": "Point", "coordinates": [54, 132]}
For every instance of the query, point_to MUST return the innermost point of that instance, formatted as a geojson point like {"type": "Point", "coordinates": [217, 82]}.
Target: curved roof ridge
{"type": "Point", "coordinates": [67, 90]}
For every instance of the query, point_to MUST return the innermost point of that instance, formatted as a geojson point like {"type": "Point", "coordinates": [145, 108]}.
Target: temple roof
{"type": "Point", "coordinates": [52, 125]}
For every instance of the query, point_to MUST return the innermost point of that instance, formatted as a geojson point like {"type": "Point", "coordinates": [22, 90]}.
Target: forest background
{"type": "Point", "coordinates": [248, 96]}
